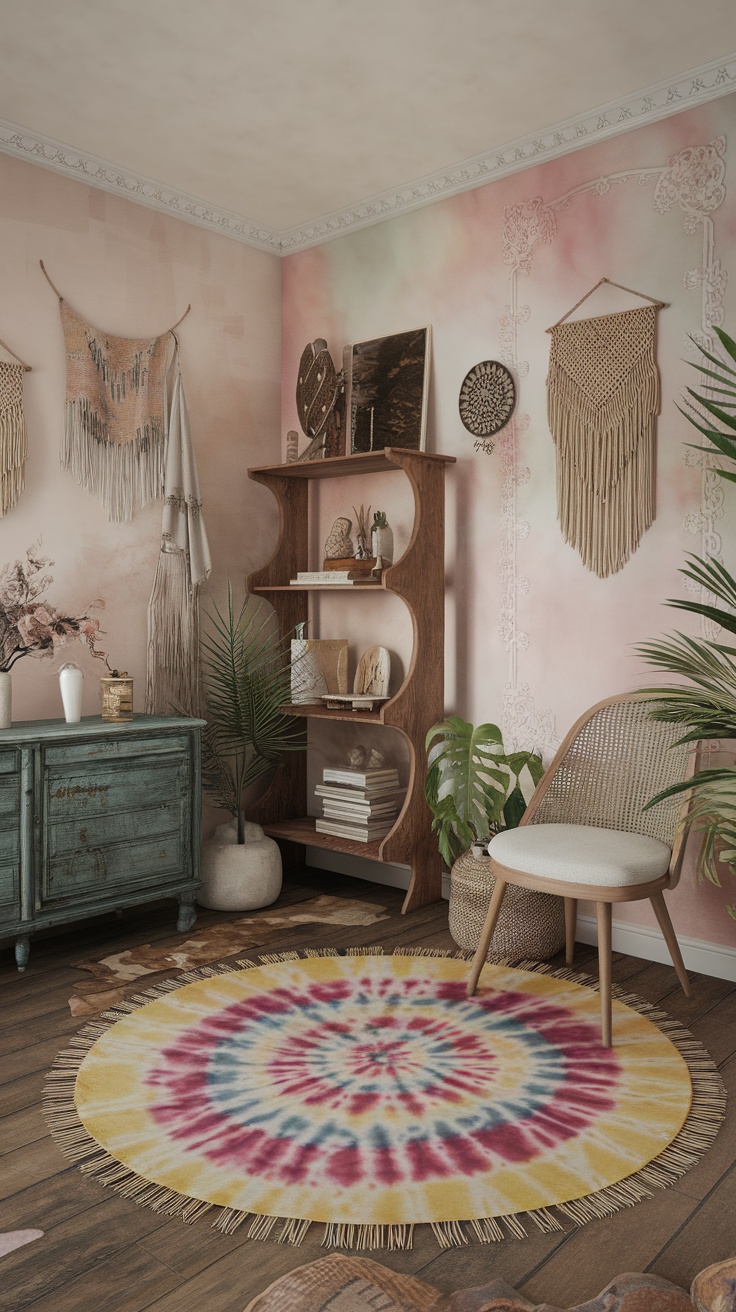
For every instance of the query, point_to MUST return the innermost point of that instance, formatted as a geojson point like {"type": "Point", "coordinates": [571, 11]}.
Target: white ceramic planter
{"type": "Point", "coordinates": [382, 544]}
{"type": "Point", "coordinates": [239, 876]}
{"type": "Point", "coordinates": [6, 699]}
{"type": "Point", "coordinates": [71, 684]}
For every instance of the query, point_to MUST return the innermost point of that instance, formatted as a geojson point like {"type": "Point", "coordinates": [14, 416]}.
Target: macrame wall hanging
{"type": "Point", "coordinates": [114, 433]}
{"type": "Point", "coordinates": [13, 439]}
{"type": "Point", "coordinates": [172, 667]}
{"type": "Point", "coordinates": [602, 401]}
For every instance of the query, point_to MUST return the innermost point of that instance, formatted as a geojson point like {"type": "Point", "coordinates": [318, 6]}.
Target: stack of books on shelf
{"type": "Point", "coordinates": [335, 577]}
{"type": "Point", "coordinates": [359, 804]}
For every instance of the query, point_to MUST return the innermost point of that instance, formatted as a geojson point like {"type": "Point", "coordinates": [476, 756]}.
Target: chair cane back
{"type": "Point", "coordinates": [614, 759]}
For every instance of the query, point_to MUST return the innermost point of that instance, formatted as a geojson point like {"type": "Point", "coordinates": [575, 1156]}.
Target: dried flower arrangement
{"type": "Point", "coordinates": [30, 626]}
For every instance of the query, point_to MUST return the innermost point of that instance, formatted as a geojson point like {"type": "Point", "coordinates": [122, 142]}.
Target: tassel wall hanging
{"type": "Point", "coordinates": [13, 441]}
{"type": "Point", "coordinates": [114, 433]}
{"type": "Point", "coordinates": [603, 397]}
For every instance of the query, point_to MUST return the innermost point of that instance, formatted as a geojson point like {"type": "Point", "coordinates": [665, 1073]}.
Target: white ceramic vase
{"type": "Point", "coordinates": [382, 544]}
{"type": "Point", "coordinates": [71, 684]}
{"type": "Point", "coordinates": [6, 699]}
{"type": "Point", "coordinates": [239, 876]}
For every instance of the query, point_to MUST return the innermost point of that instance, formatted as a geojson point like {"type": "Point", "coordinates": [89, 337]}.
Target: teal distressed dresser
{"type": "Point", "coordinates": [97, 816]}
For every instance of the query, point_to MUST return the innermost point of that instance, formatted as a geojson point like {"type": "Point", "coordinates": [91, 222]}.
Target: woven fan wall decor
{"type": "Point", "coordinates": [603, 396]}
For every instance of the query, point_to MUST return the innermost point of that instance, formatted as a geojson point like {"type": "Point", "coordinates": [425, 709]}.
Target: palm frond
{"type": "Point", "coordinates": [247, 682]}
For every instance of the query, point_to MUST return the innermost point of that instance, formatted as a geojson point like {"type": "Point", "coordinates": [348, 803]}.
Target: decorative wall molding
{"type": "Point", "coordinates": [693, 181]}
{"type": "Point", "coordinates": [695, 87]}
{"type": "Point", "coordinates": [36, 149]}
{"type": "Point", "coordinates": [648, 106]}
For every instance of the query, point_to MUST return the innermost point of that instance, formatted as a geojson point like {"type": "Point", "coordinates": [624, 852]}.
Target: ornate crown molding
{"type": "Point", "coordinates": [656, 102]}
{"type": "Point", "coordinates": [695, 87]}
{"type": "Point", "coordinates": [37, 149]}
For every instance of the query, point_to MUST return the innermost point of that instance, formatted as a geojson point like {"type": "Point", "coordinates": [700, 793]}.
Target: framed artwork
{"type": "Point", "coordinates": [388, 392]}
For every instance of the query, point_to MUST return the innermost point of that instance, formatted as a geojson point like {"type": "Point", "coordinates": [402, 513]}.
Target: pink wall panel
{"type": "Point", "coordinates": [533, 637]}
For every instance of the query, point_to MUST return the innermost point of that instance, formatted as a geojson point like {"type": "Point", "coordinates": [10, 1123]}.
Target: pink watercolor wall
{"type": "Point", "coordinates": [533, 638]}
{"type": "Point", "coordinates": [132, 271]}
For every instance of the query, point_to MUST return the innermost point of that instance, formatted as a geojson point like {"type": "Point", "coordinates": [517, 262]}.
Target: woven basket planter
{"type": "Point", "coordinates": [530, 925]}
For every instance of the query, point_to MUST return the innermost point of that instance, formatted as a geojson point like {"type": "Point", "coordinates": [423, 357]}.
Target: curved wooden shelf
{"type": "Point", "coordinates": [418, 578]}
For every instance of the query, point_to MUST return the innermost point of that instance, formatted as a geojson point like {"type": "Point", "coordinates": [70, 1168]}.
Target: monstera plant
{"type": "Point", "coordinates": [473, 788]}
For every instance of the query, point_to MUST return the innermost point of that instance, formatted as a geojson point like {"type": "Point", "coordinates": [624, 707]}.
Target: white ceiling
{"type": "Point", "coordinates": [281, 112]}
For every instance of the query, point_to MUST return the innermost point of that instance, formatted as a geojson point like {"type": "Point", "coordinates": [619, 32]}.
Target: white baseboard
{"type": "Point", "coordinates": [374, 871]}
{"type": "Point", "coordinates": [635, 940]}
{"type": "Point", "coordinates": [642, 941]}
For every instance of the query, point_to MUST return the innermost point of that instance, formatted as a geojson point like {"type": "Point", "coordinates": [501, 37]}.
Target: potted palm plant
{"type": "Point", "coordinates": [247, 679]}
{"type": "Point", "coordinates": [473, 789]}
{"type": "Point", "coordinates": [705, 705]}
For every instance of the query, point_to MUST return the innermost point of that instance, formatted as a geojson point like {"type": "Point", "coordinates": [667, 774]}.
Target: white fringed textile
{"type": "Point", "coordinates": [173, 677]}
{"type": "Point", "coordinates": [602, 402]}
{"type": "Point", "coordinates": [13, 440]}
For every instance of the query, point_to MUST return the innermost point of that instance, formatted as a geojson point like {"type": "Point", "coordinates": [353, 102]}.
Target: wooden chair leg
{"type": "Point", "coordinates": [481, 952]}
{"type": "Point", "coordinates": [571, 924]}
{"type": "Point", "coordinates": [668, 932]}
{"type": "Point", "coordinates": [603, 915]}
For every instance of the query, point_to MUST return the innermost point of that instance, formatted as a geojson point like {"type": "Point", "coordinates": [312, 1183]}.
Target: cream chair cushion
{"type": "Point", "coordinates": [581, 854]}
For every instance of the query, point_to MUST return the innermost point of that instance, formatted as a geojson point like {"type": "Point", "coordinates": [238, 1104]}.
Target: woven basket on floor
{"type": "Point", "coordinates": [530, 925]}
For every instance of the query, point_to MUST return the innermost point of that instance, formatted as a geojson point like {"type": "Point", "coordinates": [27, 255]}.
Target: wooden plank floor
{"type": "Point", "coordinates": [104, 1253]}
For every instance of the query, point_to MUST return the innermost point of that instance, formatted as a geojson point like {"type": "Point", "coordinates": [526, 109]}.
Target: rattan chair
{"type": "Point", "coordinates": [584, 833]}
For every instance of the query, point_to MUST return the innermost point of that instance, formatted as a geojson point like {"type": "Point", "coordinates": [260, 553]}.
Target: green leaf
{"type": "Point", "coordinates": [470, 782]}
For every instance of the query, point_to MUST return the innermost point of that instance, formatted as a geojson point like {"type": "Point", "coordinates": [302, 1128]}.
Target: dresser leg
{"type": "Point", "coordinates": [187, 914]}
{"type": "Point", "coordinates": [22, 951]}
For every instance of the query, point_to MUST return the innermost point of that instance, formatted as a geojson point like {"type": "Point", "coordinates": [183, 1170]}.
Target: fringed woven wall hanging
{"type": "Point", "coordinates": [13, 439]}
{"type": "Point", "coordinates": [602, 401]}
{"type": "Point", "coordinates": [114, 433]}
{"type": "Point", "coordinates": [173, 669]}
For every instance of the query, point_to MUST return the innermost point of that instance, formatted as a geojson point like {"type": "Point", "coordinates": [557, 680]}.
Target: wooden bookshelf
{"type": "Point", "coordinates": [418, 578]}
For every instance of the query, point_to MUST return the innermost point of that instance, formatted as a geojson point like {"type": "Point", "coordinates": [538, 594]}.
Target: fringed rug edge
{"type": "Point", "coordinates": [707, 1112]}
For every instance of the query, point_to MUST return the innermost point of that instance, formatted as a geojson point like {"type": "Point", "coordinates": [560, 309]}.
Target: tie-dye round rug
{"type": "Point", "coordinates": [368, 1093]}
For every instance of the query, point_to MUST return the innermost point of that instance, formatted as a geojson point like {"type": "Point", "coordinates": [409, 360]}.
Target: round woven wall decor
{"type": "Point", "coordinates": [487, 398]}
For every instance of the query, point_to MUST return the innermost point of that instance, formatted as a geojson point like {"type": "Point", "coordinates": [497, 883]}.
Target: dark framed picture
{"type": "Point", "coordinates": [389, 387]}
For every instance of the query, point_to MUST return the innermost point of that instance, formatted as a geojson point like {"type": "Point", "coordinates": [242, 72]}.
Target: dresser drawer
{"type": "Point", "coordinates": [73, 791]}
{"type": "Point", "coordinates": [9, 889]}
{"type": "Point", "coordinates": [98, 873]}
{"type": "Point", "coordinates": [112, 825]}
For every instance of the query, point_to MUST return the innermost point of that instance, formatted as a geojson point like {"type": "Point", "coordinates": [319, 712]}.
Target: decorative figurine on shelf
{"type": "Point", "coordinates": [357, 757]}
{"type": "Point", "coordinates": [339, 545]}
{"type": "Point", "coordinates": [362, 533]}
{"type": "Point", "coordinates": [308, 683]}
{"type": "Point", "coordinates": [320, 402]}
{"type": "Point", "coordinates": [382, 540]}
{"type": "Point", "coordinates": [292, 446]}
{"type": "Point", "coordinates": [376, 760]}
{"type": "Point", "coordinates": [373, 674]}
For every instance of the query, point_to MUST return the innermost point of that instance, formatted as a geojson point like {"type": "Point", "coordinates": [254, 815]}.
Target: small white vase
{"type": "Point", "coordinates": [239, 876]}
{"type": "Point", "coordinates": [71, 683]}
{"type": "Point", "coordinates": [382, 544]}
{"type": "Point", "coordinates": [6, 699]}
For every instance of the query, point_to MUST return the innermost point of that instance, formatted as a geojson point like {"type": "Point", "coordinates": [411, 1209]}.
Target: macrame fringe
{"type": "Point", "coordinates": [124, 475]}
{"type": "Point", "coordinates": [173, 680]}
{"type": "Point", "coordinates": [704, 1119]}
{"type": "Point", "coordinates": [605, 458]}
{"type": "Point", "coordinates": [13, 455]}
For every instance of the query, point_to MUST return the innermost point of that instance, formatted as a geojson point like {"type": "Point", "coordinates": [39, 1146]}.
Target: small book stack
{"type": "Point", "coordinates": [358, 804]}
{"type": "Point", "coordinates": [335, 577]}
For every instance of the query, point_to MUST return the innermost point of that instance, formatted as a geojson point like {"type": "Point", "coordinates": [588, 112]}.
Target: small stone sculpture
{"type": "Point", "coordinates": [373, 674]}
{"type": "Point", "coordinates": [357, 757]}
{"type": "Point", "coordinates": [376, 760]}
{"type": "Point", "coordinates": [339, 543]}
